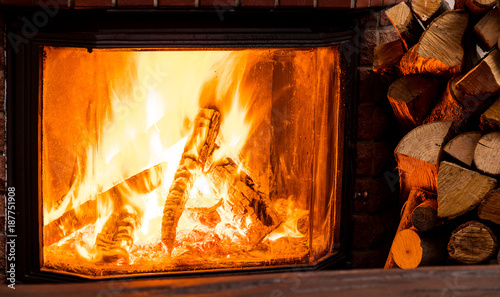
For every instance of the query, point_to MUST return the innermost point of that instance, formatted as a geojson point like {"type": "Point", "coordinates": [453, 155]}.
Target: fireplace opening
{"type": "Point", "coordinates": [181, 144]}
{"type": "Point", "coordinates": [177, 160]}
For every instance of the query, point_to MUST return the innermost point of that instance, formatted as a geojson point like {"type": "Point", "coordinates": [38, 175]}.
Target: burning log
{"type": "Point", "coordinates": [490, 208]}
{"type": "Point", "coordinates": [416, 197]}
{"type": "Point", "coordinates": [424, 217]}
{"type": "Point", "coordinates": [427, 10]}
{"type": "Point", "coordinates": [472, 243]}
{"type": "Point", "coordinates": [412, 250]}
{"type": "Point", "coordinates": [462, 147]}
{"type": "Point", "coordinates": [116, 238]}
{"type": "Point", "coordinates": [483, 80]}
{"type": "Point", "coordinates": [475, 6]}
{"type": "Point", "coordinates": [487, 154]}
{"type": "Point", "coordinates": [405, 23]}
{"type": "Point", "coordinates": [439, 51]}
{"type": "Point", "coordinates": [488, 29]}
{"type": "Point", "coordinates": [460, 190]}
{"type": "Point", "coordinates": [490, 119]}
{"type": "Point", "coordinates": [198, 149]}
{"type": "Point", "coordinates": [418, 155]}
{"type": "Point", "coordinates": [386, 59]}
{"type": "Point", "coordinates": [86, 213]}
{"type": "Point", "coordinates": [245, 198]}
{"type": "Point", "coordinates": [411, 98]}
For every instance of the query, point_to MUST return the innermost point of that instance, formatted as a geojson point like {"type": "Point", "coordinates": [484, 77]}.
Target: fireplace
{"type": "Point", "coordinates": [182, 143]}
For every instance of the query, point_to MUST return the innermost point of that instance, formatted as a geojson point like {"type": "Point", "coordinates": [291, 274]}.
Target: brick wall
{"type": "Point", "coordinates": [375, 206]}
{"type": "Point", "coordinates": [265, 4]}
{"type": "Point", "coordinates": [2, 151]}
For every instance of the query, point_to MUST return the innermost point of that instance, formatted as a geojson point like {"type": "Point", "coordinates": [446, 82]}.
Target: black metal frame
{"type": "Point", "coordinates": [154, 29]}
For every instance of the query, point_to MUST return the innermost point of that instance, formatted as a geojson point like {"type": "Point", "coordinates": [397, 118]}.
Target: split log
{"type": "Point", "coordinates": [416, 197]}
{"type": "Point", "coordinates": [483, 80]}
{"type": "Point", "coordinates": [418, 155]}
{"type": "Point", "coordinates": [488, 29]}
{"type": "Point", "coordinates": [412, 250]}
{"type": "Point", "coordinates": [245, 198]}
{"type": "Point", "coordinates": [405, 23]}
{"type": "Point", "coordinates": [490, 119]}
{"type": "Point", "coordinates": [460, 190]}
{"type": "Point", "coordinates": [439, 51]}
{"type": "Point", "coordinates": [490, 208]}
{"type": "Point", "coordinates": [411, 98]}
{"type": "Point", "coordinates": [424, 217]}
{"type": "Point", "coordinates": [487, 154]}
{"type": "Point", "coordinates": [475, 6]}
{"type": "Point", "coordinates": [450, 108]}
{"type": "Point", "coordinates": [427, 10]}
{"type": "Point", "coordinates": [85, 214]}
{"type": "Point", "coordinates": [462, 147]}
{"type": "Point", "coordinates": [386, 59]}
{"type": "Point", "coordinates": [472, 243]}
{"type": "Point", "coordinates": [197, 150]}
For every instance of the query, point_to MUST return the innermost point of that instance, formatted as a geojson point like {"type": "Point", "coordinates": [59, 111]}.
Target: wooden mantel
{"type": "Point", "coordinates": [448, 281]}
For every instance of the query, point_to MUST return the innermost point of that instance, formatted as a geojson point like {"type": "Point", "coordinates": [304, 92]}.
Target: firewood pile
{"type": "Point", "coordinates": [444, 75]}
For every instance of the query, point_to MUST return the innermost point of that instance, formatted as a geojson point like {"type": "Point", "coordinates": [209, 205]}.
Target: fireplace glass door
{"type": "Point", "coordinates": [181, 160]}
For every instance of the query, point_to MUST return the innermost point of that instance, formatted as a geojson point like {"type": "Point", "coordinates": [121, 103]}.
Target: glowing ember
{"type": "Point", "coordinates": [176, 160]}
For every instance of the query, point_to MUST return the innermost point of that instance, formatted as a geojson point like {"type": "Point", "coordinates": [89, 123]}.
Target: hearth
{"type": "Point", "coordinates": [157, 143]}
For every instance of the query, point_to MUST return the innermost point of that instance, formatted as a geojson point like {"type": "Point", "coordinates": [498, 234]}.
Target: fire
{"type": "Point", "coordinates": [138, 136]}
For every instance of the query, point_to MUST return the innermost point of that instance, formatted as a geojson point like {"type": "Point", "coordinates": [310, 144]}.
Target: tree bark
{"type": "Point", "coordinates": [472, 243]}
{"type": "Point", "coordinates": [460, 190]}
{"type": "Point", "coordinates": [424, 217]}
{"type": "Point", "coordinates": [462, 147]}
{"type": "Point", "coordinates": [439, 51]}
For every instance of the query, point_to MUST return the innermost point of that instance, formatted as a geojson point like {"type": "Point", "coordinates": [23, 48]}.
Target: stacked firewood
{"type": "Point", "coordinates": [444, 92]}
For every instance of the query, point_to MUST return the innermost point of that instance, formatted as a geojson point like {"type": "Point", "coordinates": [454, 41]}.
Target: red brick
{"type": "Point", "coordinates": [2, 133]}
{"type": "Point", "coordinates": [51, 3]}
{"type": "Point", "coordinates": [381, 195]}
{"type": "Point", "coordinates": [369, 20]}
{"type": "Point", "coordinates": [364, 158]}
{"type": "Point", "coordinates": [19, 2]}
{"type": "Point", "coordinates": [93, 3]}
{"type": "Point", "coordinates": [374, 3]}
{"type": "Point", "coordinates": [370, 258]}
{"type": "Point", "coordinates": [2, 250]}
{"type": "Point", "coordinates": [135, 3]}
{"type": "Point", "coordinates": [384, 20]}
{"type": "Point", "coordinates": [382, 157]}
{"type": "Point", "coordinates": [380, 122]}
{"type": "Point", "coordinates": [334, 3]}
{"type": "Point", "coordinates": [176, 3]}
{"type": "Point", "coordinates": [296, 3]}
{"type": "Point", "coordinates": [2, 173]}
{"type": "Point", "coordinates": [389, 2]}
{"type": "Point", "coordinates": [218, 3]}
{"type": "Point", "coordinates": [363, 184]}
{"type": "Point", "coordinates": [258, 3]}
{"type": "Point", "coordinates": [388, 35]}
{"type": "Point", "coordinates": [362, 3]}
{"type": "Point", "coordinates": [371, 87]}
{"type": "Point", "coordinates": [368, 231]}
{"type": "Point", "coordinates": [365, 122]}
{"type": "Point", "coordinates": [368, 43]}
